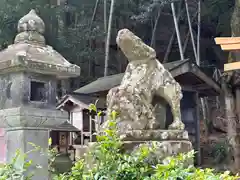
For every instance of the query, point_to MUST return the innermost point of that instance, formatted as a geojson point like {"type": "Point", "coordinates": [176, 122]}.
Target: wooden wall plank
{"type": "Point", "coordinates": [227, 40]}
{"type": "Point", "coordinates": [232, 66]}
{"type": "Point", "coordinates": [230, 47]}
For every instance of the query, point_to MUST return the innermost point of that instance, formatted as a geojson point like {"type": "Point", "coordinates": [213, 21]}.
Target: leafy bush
{"type": "Point", "coordinates": [110, 162]}
{"type": "Point", "coordinates": [11, 171]}
{"type": "Point", "coordinates": [220, 151]}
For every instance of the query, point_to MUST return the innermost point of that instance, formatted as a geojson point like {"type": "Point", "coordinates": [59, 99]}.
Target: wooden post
{"type": "Point", "coordinates": [71, 133]}
{"type": "Point", "coordinates": [197, 126]}
{"type": "Point", "coordinates": [67, 141]}
{"type": "Point", "coordinates": [82, 133]}
{"type": "Point", "coordinates": [90, 127]}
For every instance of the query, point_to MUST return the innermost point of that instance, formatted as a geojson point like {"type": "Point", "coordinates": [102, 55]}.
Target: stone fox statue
{"type": "Point", "coordinates": [144, 78]}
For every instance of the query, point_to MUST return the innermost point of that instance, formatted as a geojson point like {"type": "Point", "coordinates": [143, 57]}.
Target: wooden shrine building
{"type": "Point", "coordinates": [194, 82]}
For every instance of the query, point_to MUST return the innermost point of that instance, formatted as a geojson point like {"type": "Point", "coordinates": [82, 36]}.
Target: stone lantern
{"type": "Point", "coordinates": [29, 71]}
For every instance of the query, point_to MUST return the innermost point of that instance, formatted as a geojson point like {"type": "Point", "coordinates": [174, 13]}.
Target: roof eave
{"type": "Point", "coordinates": [38, 67]}
{"type": "Point", "coordinates": [208, 81]}
{"type": "Point", "coordinates": [72, 99]}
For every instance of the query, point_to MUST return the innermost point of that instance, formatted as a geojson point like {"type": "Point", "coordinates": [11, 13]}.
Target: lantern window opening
{"type": "Point", "coordinates": [37, 91]}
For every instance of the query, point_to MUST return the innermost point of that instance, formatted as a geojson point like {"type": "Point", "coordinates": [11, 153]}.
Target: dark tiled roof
{"type": "Point", "coordinates": [101, 84]}
{"type": "Point", "coordinates": [66, 126]}
{"type": "Point", "coordinates": [108, 82]}
{"type": "Point", "coordinates": [83, 98]}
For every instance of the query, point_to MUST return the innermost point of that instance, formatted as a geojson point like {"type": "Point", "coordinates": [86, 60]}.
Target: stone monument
{"type": "Point", "coordinates": [29, 70]}
{"type": "Point", "coordinates": [145, 78]}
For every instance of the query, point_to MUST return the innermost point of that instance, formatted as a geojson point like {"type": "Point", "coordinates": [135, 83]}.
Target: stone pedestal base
{"type": "Point", "coordinates": [162, 149]}
{"type": "Point", "coordinates": [25, 125]}
{"type": "Point", "coordinates": [20, 139]}
{"type": "Point", "coordinates": [166, 147]}
{"type": "Point", "coordinates": [154, 135]}
{"type": "Point", "coordinates": [165, 142]}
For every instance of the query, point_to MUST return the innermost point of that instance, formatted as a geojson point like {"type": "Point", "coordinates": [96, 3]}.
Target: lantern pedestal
{"type": "Point", "coordinates": [28, 127]}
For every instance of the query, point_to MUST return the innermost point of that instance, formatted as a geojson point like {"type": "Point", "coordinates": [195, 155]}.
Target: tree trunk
{"type": "Point", "coordinates": [205, 112]}
{"type": "Point", "coordinates": [237, 136]}
{"type": "Point", "coordinates": [232, 104]}
{"type": "Point", "coordinates": [108, 38]}
{"type": "Point", "coordinates": [232, 124]}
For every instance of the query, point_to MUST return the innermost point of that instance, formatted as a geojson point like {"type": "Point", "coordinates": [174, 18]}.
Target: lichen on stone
{"type": "Point", "coordinates": [145, 77]}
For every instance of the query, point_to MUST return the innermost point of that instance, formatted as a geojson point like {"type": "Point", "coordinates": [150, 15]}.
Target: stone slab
{"type": "Point", "coordinates": [169, 147]}
{"type": "Point", "coordinates": [163, 149]}
{"type": "Point", "coordinates": [154, 135]}
{"type": "Point", "coordinates": [27, 117]}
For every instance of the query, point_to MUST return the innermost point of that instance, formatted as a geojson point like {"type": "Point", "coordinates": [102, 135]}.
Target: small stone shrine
{"type": "Point", "coordinates": [144, 78]}
{"type": "Point", "coordinates": [29, 70]}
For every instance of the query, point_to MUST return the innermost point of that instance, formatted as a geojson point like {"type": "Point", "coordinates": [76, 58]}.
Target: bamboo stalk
{"type": "Point", "coordinates": [177, 31]}
{"type": "Point", "coordinates": [199, 32]}
{"type": "Point", "coordinates": [105, 16]}
{"type": "Point", "coordinates": [190, 30]}
{"type": "Point", "coordinates": [94, 14]}
{"type": "Point", "coordinates": [155, 28]}
{"type": "Point", "coordinates": [108, 38]}
{"type": "Point", "coordinates": [186, 42]}
{"type": "Point", "coordinates": [188, 35]}
{"type": "Point", "coordinates": [169, 47]}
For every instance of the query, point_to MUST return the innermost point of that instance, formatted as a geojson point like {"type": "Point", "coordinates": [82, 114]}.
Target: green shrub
{"type": "Point", "coordinates": [220, 152]}
{"type": "Point", "coordinates": [11, 171]}
{"type": "Point", "coordinates": [111, 163]}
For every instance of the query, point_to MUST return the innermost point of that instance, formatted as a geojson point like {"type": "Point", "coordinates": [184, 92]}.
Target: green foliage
{"type": "Point", "coordinates": [220, 151]}
{"type": "Point", "coordinates": [11, 11]}
{"type": "Point", "coordinates": [52, 154]}
{"type": "Point", "coordinates": [110, 162]}
{"type": "Point", "coordinates": [11, 171]}
{"type": "Point", "coordinates": [71, 31]}
{"type": "Point", "coordinates": [18, 167]}
{"type": "Point", "coordinates": [217, 13]}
